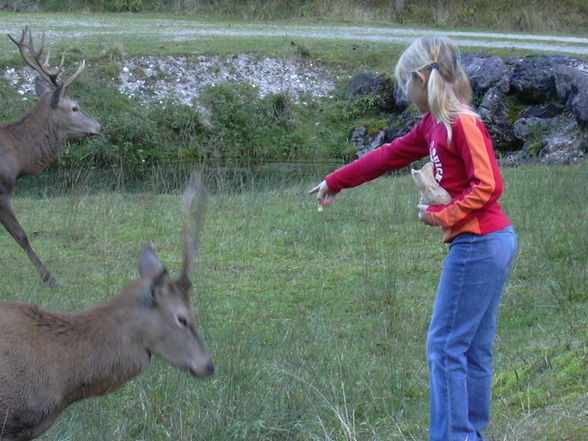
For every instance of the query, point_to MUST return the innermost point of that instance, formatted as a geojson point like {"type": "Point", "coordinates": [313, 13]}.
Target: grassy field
{"type": "Point", "coordinates": [317, 321]}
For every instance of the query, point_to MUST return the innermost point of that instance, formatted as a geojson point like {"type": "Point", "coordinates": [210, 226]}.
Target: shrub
{"type": "Point", "coordinates": [250, 129]}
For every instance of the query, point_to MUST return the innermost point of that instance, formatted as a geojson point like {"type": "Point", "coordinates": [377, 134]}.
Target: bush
{"type": "Point", "coordinates": [18, 6]}
{"type": "Point", "coordinates": [249, 129]}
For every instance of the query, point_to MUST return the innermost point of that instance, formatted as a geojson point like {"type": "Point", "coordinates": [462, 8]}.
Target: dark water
{"type": "Point", "coordinates": [171, 178]}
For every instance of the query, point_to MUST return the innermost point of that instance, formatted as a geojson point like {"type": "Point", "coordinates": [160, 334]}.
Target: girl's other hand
{"type": "Point", "coordinates": [423, 215]}
{"type": "Point", "coordinates": [324, 194]}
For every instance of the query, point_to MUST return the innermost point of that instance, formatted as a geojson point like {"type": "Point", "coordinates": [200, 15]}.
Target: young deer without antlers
{"type": "Point", "coordinates": [30, 144]}
{"type": "Point", "coordinates": [48, 360]}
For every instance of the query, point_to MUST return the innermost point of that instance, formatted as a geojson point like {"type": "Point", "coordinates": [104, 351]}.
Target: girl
{"type": "Point", "coordinates": [482, 242]}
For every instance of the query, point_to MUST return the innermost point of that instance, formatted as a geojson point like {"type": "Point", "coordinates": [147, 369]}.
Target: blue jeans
{"type": "Point", "coordinates": [462, 331]}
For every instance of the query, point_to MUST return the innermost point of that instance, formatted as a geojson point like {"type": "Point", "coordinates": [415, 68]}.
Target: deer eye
{"type": "Point", "coordinates": [182, 322]}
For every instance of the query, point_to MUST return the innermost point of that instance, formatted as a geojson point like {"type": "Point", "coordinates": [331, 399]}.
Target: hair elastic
{"type": "Point", "coordinates": [434, 65]}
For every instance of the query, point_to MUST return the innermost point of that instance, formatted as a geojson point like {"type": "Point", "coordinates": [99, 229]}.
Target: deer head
{"type": "Point", "coordinates": [172, 333]}
{"type": "Point", "coordinates": [67, 115]}
{"type": "Point", "coordinates": [169, 328]}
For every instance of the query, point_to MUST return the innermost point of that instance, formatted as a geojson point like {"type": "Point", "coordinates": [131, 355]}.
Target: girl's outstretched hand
{"type": "Point", "coordinates": [324, 195]}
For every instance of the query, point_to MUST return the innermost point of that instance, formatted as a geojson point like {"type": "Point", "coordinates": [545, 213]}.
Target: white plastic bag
{"type": "Point", "coordinates": [431, 192]}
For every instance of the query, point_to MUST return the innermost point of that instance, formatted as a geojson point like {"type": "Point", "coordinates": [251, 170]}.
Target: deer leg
{"type": "Point", "coordinates": [8, 219]}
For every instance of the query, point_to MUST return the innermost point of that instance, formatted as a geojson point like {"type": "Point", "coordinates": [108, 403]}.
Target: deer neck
{"type": "Point", "coordinates": [38, 140]}
{"type": "Point", "coordinates": [104, 351]}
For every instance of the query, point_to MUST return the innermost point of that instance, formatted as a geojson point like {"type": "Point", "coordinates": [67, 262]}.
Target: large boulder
{"type": "Point", "coordinates": [548, 140]}
{"type": "Point", "coordinates": [533, 78]}
{"type": "Point", "coordinates": [401, 124]}
{"type": "Point", "coordinates": [485, 72]}
{"type": "Point", "coordinates": [364, 83]}
{"type": "Point", "coordinates": [365, 140]}
{"type": "Point", "coordinates": [389, 99]}
{"type": "Point", "coordinates": [571, 86]}
{"type": "Point", "coordinates": [494, 113]}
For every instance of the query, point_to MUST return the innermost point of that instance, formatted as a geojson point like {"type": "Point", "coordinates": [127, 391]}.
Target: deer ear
{"type": "Point", "coordinates": [56, 96]}
{"type": "Point", "coordinates": [149, 263]}
{"type": "Point", "coordinates": [41, 86]}
{"type": "Point", "coordinates": [156, 289]}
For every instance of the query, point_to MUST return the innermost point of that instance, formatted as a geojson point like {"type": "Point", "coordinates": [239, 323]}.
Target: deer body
{"type": "Point", "coordinates": [49, 360]}
{"type": "Point", "coordinates": [72, 359]}
{"type": "Point", "coordinates": [28, 146]}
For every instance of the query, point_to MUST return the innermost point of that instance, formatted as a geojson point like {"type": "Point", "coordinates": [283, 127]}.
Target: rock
{"type": "Point", "coordinates": [365, 83]}
{"type": "Point", "coordinates": [369, 83]}
{"type": "Point", "coordinates": [520, 157]}
{"type": "Point", "coordinates": [535, 108]}
{"type": "Point", "coordinates": [571, 86]}
{"type": "Point", "coordinates": [533, 79]}
{"type": "Point", "coordinates": [531, 128]}
{"type": "Point", "coordinates": [402, 124]}
{"type": "Point", "coordinates": [494, 114]}
{"type": "Point", "coordinates": [547, 110]}
{"type": "Point", "coordinates": [556, 140]}
{"type": "Point", "coordinates": [366, 142]}
{"type": "Point", "coordinates": [563, 142]}
{"type": "Point", "coordinates": [579, 106]}
{"type": "Point", "coordinates": [486, 72]}
{"type": "Point", "coordinates": [362, 139]}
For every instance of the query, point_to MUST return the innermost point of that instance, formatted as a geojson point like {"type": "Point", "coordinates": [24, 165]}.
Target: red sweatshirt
{"type": "Point", "coordinates": [466, 168]}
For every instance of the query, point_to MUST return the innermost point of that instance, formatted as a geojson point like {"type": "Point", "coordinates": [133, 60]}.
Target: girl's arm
{"type": "Point", "coordinates": [397, 154]}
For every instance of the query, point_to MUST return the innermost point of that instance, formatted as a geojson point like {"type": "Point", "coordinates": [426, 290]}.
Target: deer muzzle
{"type": "Point", "coordinates": [206, 370]}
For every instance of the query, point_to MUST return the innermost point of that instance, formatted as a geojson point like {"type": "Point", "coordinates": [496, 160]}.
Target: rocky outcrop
{"type": "Point", "coordinates": [370, 83]}
{"type": "Point", "coordinates": [536, 108]}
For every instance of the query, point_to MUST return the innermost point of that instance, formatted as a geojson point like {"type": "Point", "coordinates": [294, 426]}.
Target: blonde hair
{"type": "Point", "coordinates": [448, 89]}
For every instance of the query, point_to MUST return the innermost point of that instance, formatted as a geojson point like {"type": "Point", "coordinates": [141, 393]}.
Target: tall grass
{"type": "Point", "coordinates": [316, 321]}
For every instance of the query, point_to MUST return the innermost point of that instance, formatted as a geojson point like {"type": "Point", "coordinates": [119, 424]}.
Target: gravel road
{"type": "Point", "coordinates": [90, 26]}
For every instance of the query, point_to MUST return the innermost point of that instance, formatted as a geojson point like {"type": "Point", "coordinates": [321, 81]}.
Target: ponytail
{"type": "Point", "coordinates": [448, 88]}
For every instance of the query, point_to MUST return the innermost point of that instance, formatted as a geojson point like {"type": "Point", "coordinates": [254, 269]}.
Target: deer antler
{"type": "Point", "coordinates": [193, 207]}
{"type": "Point", "coordinates": [25, 44]}
{"type": "Point", "coordinates": [75, 76]}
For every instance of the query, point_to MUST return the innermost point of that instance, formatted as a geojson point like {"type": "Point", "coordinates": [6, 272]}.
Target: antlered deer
{"type": "Point", "coordinates": [48, 360]}
{"type": "Point", "coordinates": [30, 144]}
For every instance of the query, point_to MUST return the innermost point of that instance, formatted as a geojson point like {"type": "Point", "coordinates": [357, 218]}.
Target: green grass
{"type": "Point", "coordinates": [317, 321]}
